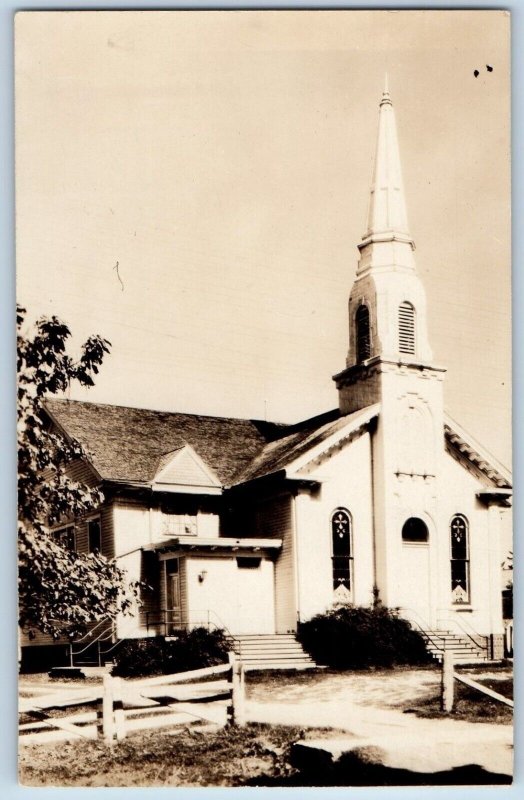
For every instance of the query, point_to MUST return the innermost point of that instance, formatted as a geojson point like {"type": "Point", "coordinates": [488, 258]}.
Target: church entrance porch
{"type": "Point", "coordinates": [217, 583]}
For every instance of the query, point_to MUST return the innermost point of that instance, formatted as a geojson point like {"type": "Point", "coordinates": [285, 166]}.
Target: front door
{"type": "Point", "coordinates": [173, 605]}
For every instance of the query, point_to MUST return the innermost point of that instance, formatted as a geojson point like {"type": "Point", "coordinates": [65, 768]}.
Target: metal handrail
{"type": "Point", "coordinates": [92, 630]}
{"type": "Point", "coordinates": [101, 638]}
{"type": "Point", "coordinates": [425, 629]}
{"type": "Point", "coordinates": [471, 636]}
{"type": "Point", "coordinates": [154, 618]}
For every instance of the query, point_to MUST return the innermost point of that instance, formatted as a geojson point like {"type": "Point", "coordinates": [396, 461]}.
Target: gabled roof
{"type": "Point", "coordinates": [457, 438]}
{"type": "Point", "coordinates": [184, 470]}
{"type": "Point", "coordinates": [307, 443]}
{"type": "Point", "coordinates": [127, 444]}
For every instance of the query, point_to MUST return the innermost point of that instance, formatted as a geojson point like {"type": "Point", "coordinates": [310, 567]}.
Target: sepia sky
{"type": "Point", "coordinates": [223, 161]}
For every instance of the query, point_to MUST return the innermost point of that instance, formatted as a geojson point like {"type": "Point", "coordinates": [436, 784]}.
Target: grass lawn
{"type": "Point", "coordinates": [186, 757]}
{"type": "Point", "coordinates": [199, 755]}
{"type": "Point", "coordinates": [471, 705]}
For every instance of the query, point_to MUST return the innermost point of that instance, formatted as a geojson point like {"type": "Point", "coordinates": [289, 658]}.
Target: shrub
{"type": "Point", "coordinates": [354, 637]}
{"type": "Point", "coordinates": [159, 656]}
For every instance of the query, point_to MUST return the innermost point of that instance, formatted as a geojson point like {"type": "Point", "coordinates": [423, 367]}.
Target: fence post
{"type": "Point", "coordinates": [448, 680]}
{"type": "Point", "coordinates": [238, 694]}
{"type": "Point", "coordinates": [236, 713]}
{"type": "Point", "coordinates": [120, 722]}
{"type": "Point", "coordinates": [108, 726]}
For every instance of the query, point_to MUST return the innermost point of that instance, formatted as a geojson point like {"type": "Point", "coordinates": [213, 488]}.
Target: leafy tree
{"type": "Point", "coordinates": [60, 591]}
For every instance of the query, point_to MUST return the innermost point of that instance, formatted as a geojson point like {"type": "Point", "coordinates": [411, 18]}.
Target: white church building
{"type": "Point", "coordinates": [255, 526]}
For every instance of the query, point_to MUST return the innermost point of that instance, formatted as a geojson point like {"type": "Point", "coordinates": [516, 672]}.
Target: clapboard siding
{"type": "Point", "coordinates": [108, 531]}
{"type": "Point", "coordinates": [39, 639]}
{"type": "Point", "coordinates": [81, 472]}
{"type": "Point", "coordinates": [274, 518]}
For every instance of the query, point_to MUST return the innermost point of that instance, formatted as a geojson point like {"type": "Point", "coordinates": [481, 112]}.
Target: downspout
{"type": "Point", "coordinates": [373, 530]}
{"type": "Point", "coordinates": [150, 517]}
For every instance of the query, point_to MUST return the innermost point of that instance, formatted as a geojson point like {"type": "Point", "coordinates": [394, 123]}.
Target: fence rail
{"type": "Point", "coordinates": [449, 676]}
{"type": "Point", "coordinates": [121, 706]}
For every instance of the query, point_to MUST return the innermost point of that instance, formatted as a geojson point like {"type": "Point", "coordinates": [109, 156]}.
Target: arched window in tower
{"type": "Point", "coordinates": [459, 560]}
{"type": "Point", "coordinates": [406, 328]}
{"type": "Point", "coordinates": [362, 334]}
{"type": "Point", "coordinates": [342, 553]}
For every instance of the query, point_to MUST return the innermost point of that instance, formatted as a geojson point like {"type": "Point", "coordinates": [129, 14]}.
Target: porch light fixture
{"type": "Point", "coordinates": [202, 576]}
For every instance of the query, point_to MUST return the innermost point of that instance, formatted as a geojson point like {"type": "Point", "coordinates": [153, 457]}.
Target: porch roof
{"type": "Point", "coordinates": [189, 543]}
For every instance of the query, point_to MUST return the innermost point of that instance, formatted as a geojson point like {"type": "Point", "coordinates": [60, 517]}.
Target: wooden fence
{"type": "Point", "coordinates": [121, 706]}
{"type": "Point", "coordinates": [449, 676]}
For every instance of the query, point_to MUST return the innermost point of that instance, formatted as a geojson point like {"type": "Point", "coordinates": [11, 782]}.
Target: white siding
{"type": "Point", "coordinates": [274, 518]}
{"type": "Point", "coordinates": [346, 482]}
{"type": "Point", "coordinates": [241, 600]}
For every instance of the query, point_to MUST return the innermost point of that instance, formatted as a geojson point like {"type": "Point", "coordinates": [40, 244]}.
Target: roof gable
{"type": "Point", "coordinates": [184, 470]}
{"type": "Point", "coordinates": [308, 444]}
{"type": "Point", "coordinates": [458, 440]}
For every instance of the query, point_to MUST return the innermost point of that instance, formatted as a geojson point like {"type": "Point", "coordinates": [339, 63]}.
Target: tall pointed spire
{"type": "Point", "coordinates": [387, 218]}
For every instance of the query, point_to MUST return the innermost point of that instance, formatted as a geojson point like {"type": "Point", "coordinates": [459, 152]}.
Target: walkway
{"type": "Point", "coordinates": [362, 706]}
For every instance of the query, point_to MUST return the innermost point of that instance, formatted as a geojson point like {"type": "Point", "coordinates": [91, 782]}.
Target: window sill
{"type": "Point", "coordinates": [465, 609]}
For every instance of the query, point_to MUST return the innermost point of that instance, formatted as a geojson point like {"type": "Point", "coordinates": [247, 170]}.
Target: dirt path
{"type": "Point", "coordinates": [366, 706]}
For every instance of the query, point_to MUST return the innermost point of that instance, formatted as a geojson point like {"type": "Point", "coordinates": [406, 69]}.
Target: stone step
{"type": "Point", "coordinates": [251, 666]}
{"type": "Point", "coordinates": [272, 651]}
{"type": "Point", "coordinates": [273, 658]}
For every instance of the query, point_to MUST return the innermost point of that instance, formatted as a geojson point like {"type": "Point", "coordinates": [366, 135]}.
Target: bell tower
{"type": "Point", "coordinates": [387, 304]}
{"type": "Point", "coordinates": [390, 362]}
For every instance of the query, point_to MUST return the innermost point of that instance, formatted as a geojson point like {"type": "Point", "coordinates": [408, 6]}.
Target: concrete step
{"type": "Point", "coordinates": [462, 648]}
{"type": "Point", "coordinates": [272, 651]}
{"type": "Point", "coordinates": [273, 658]}
{"type": "Point", "coordinates": [253, 666]}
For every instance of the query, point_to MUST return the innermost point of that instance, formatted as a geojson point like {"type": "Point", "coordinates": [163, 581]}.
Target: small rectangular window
{"type": "Point", "coordinates": [65, 537]}
{"type": "Point", "coordinates": [248, 563]}
{"type": "Point", "coordinates": [94, 535]}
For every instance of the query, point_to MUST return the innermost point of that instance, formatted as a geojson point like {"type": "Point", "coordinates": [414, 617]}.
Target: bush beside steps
{"type": "Point", "coordinates": [356, 637]}
{"type": "Point", "coordinates": [187, 650]}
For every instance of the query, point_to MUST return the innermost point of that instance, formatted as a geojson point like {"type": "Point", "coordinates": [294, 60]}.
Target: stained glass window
{"type": "Point", "coordinates": [460, 592]}
{"type": "Point", "coordinates": [342, 554]}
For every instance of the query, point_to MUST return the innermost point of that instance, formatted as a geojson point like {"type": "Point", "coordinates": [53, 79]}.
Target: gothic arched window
{"type": "Point", "coordinates": [363, 335]}
{"type": "Point", "coordinates": [406, 328]}
{"type": "Point", "coordinates": [415, 531]}
{"type": "Point", "coordinates": [342, 552]}
{"type": "Point", "coordinates": [459, 560]}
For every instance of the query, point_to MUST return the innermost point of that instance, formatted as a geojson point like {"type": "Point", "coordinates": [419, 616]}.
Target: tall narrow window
{"type": "Point", "coordinates": [459, 560]}
{"type": "Point", "coordinates": [363, 334]}
{"type": "Point", "coordinates": [406, 328]}
{"type": "Point", "coordinates": [342, 557]}
{"type": "Point", "coordinates": [94, 535]}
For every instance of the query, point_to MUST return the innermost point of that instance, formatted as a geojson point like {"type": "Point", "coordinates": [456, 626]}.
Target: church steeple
{"type": "Point", "coordinates": [387, 217]}
{"type": "Point", "coordinates": [387, 304]}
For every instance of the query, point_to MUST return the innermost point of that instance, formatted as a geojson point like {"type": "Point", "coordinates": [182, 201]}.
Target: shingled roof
{"type": "Point", "coordinates": [126, 444]}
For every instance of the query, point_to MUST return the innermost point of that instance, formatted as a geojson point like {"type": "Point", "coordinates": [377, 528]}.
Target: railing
{"type": "Point", "coordinates": [479, 641]}
{"type": "Point", "coordinates": [168, 621]}
{"type": "Point", "coordinates": [423, 627]}
{"type": "Point", "coordinates": [101, 632]}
